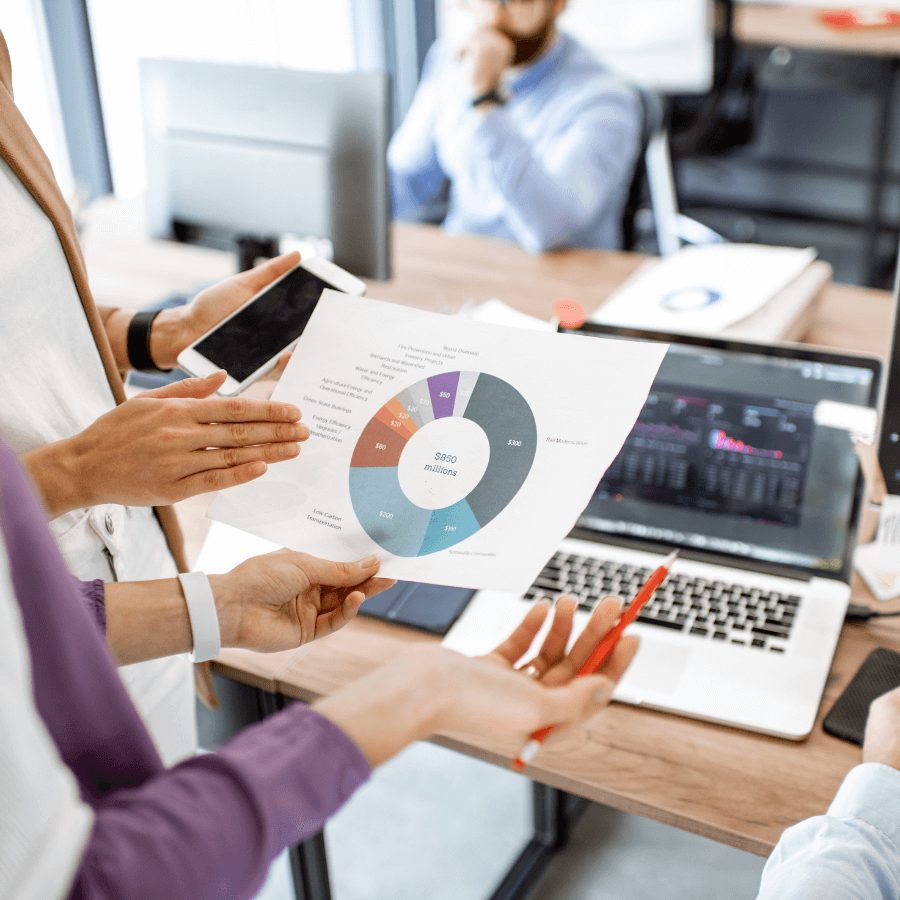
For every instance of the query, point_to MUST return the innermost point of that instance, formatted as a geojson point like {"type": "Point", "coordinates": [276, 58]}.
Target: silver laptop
{"type": "Point", "coordinates": [732, 462]}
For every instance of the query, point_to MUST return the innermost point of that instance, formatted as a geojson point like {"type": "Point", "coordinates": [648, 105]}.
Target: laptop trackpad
{"type": "Point", "coordinates": [657, 668]}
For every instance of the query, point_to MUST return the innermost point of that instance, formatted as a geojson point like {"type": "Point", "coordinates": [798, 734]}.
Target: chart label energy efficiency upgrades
{"type": "Point", "coordinates": [457, 451]}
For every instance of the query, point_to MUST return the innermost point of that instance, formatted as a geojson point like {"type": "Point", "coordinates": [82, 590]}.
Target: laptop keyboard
{"type": "Point", "coordinates": [713, 610]}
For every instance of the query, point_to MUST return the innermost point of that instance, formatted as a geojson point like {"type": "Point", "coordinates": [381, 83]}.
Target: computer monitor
{"type": "Point", "coordinates": [889, 440]}
{"type": "Point", "coordinates": [254, 152]}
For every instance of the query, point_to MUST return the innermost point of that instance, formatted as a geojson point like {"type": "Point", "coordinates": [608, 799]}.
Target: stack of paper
{"type": "Point", "coordinates": [879, 561]}
{"type": "Point", "coordinates": [704, 289]}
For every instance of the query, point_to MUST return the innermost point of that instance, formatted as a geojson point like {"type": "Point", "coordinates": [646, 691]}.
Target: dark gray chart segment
{"type": "Point", "coordinates": [509, 424]}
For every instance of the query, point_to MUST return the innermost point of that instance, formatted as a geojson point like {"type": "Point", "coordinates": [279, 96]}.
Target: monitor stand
{"type": "Point", "coordinates": [250, 249]}
{"type": "Point", "coordinates": [247, 247]}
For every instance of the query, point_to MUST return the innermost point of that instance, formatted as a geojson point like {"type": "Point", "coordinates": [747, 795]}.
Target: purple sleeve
{"type": "Point", "coordinates": [210, 826]}
{"type": "Point", "coordinates": [94, 595]}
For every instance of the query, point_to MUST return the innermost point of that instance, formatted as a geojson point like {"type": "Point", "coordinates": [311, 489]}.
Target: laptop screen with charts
{"type": "Point", "coordinates": [740, 452]}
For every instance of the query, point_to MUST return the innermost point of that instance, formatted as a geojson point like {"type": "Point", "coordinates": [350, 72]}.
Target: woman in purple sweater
{"type": "Point", "coordinates": [88, 808]}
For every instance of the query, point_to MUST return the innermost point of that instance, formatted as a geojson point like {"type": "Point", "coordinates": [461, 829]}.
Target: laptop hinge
{"type": "Point", "coordinates": [715, 559]}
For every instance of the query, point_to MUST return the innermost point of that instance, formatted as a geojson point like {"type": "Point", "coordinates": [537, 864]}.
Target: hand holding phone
{"type": "Point", "coordinates": [168, 444]}
{"type": "Point", "coordinates": [248, 343]}
{"type": "Point", "coordinates": [180, 326]}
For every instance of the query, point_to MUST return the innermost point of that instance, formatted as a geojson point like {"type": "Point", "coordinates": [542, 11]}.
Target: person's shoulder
{"type": "Point", "coordinates": [582, 64]}
{"type": "Point", "coordinates": [588, 84]}
{"type": "Point", "coordinates": [439, 57]}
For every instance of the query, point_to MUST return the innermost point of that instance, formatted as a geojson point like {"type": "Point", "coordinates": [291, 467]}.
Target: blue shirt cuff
{"type": "Point", "coordinates": [870, 793]}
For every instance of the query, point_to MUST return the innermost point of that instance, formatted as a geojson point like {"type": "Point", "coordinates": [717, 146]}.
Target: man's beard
{"type": "Point", "coordinates": [528, 48]}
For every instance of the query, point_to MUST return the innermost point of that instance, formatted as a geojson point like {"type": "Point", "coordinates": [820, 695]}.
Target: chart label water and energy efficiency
{"type": "Point", "coordinates": [459, 452]}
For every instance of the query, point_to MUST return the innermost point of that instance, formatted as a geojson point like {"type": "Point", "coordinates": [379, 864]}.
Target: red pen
{"type": "Point", "coordinates": [601, 652]}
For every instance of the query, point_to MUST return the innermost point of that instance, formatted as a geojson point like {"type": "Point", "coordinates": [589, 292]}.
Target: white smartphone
{"type": "Point", "coordinates": [248, 343]}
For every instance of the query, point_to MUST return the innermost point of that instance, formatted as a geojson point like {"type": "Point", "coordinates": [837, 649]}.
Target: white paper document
{"type": "Point", "coordinates": [704, 290]}
{"type": "Point", "coordinates": [459, 452]}
{"type": "Point", "coordinates": [496, 312]}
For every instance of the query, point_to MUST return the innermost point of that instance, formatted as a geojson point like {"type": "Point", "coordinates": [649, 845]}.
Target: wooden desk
{"type": "Point", "coordinates": [443, 273]}
{"type": "Point", "coordinates": [732, 786]}
{"type": "Point", "coordinates": [735, 787]}
{"type": "Point", "coordinates": [798, 26]}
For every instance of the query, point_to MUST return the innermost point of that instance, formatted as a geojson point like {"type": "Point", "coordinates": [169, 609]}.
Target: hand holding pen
{"type": "Point", "coordinates": [600, 655]}
{"type": "Point", "coordinates": [427, 690]}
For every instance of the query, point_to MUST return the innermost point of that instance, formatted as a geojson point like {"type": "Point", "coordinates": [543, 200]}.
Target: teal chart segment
{"type": "Point", "coordinates": [440, 460]}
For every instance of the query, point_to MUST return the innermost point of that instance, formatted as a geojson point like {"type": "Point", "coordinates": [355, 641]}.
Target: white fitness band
{"type": "Point", "coordinates": [201, 606]}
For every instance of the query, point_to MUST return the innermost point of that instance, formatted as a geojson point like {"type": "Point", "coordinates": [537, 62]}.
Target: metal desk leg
{"type": "Point", "coordinates": [309, 860]}
{"type": "Point", "coordinates": [555, 812]}
{"type": "Point", "coordinates": [309, 869]}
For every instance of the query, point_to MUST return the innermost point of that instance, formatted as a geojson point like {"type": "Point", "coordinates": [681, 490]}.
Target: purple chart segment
{"type": "Point", "coordinates": [443, 393]}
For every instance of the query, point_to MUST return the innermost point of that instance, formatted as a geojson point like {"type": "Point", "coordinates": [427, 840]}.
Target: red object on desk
{"type": "Point", "coordinates": [570, 313]}
{"type": "Point", "coordinates": [602, 652]}
{"type": "Point", "coordinates": [866, 17]}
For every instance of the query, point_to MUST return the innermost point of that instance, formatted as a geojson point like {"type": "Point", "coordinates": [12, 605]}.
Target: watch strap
{"type": "Point", "coordinates": [204, 619]}
{"type": "Point", "coordinates": [491, 96]}
{"type": "Point", "coordinates": [137, 341]}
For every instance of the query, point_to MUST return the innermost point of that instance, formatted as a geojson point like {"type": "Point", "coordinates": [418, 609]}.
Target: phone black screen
{"type": "Point", "coordinates": [264, 328]}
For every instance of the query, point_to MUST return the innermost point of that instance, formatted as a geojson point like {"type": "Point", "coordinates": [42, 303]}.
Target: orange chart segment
{"type": "Point", "coordinates": [378, 445]}
{"type": "Point", "coordinates": [395, 417]}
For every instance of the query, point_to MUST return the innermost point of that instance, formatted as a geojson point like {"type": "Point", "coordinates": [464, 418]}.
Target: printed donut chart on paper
{"type": "Point", "coordinates": [440, 460]}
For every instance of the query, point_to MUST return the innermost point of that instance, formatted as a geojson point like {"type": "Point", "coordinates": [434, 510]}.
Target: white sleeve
{"type": "Point", "coordinates": [44, 824]}
{"type": "Point", "coordinates": [851, 853]}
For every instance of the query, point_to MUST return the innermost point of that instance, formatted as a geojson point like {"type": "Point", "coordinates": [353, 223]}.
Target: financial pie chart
{"type": "Point", "coordinates": [440, 460]}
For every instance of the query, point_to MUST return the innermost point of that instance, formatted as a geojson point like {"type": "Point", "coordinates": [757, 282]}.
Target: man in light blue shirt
{"type": "Point", "coordinates": [852, 852]}
{"type": "Point", "coordinates": [536, 140]}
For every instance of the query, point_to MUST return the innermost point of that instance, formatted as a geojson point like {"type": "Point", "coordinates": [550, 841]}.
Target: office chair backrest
{"type": "Point", "coordinates": [651, 122]}
{"type": "Point", "coordinates": [661, 47]}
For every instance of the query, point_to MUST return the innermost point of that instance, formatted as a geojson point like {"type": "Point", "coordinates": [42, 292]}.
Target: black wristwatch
{"type": "Point", "coordinates": [492, 96]}
{"type": "Point", "coordinates": [137, 342]}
